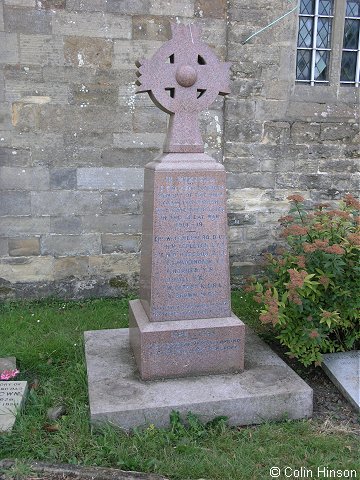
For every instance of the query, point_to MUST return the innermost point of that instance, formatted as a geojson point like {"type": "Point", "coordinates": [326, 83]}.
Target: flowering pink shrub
{"type": "Point", "coordinates": [9, 374]}
{"type": "Point", "coordinates": [310, 294]}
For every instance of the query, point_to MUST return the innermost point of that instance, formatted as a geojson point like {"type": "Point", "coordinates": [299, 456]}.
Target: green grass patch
{"type": "Point", "coordinates": [47, 339]}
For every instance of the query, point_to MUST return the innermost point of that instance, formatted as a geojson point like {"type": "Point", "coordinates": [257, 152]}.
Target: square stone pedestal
{"type": "Point", "coordinates": [185, 347]}
{"type": "Point", "coordinates": [267, 389]}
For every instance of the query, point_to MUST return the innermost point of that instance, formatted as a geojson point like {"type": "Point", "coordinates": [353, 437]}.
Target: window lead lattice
{"type": "Point", "coordinates": [314, 41]}
{"type": "Point", "coordinates": [350, 61]}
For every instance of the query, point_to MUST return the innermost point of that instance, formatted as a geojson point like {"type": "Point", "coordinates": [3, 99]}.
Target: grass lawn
{"type": "Point", "coordinates": [47, 339]}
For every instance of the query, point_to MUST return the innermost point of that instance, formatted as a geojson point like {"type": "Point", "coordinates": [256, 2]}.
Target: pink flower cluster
{"type": "Point", "coordinates": [8, 374]}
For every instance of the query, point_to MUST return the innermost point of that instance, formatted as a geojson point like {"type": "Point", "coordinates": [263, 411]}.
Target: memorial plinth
{"type": "Point", "coordinates": [183, 325]}
{"type": "Point", "coordinates": [184, 349]}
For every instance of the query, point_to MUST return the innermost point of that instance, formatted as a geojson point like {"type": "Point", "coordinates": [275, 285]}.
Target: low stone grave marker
{"type": "Point", "coordinates": [12, 396]}
{"type": "Point", "coordinates": [343, 368]}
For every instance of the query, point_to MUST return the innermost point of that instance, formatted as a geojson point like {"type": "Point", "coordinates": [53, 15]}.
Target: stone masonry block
{"type": "Point", "coordinates": [21, 73]}
{"type": "Point", "coordinates": [35, 92]}
{"type": "Point", "coordinates": [14, 157]}
{"type": "Point", "coordinates": [92, 25]}
{"type": "Point", "coordinates": [183, 8]}
{"type": "Point", "coordinates": [14, 203]}
{"type": "Point", "coordinates": [4, 246]}
{"type": "Point", "coordinates": [93, 94]}
{"type": "Point", "coordinates": [63, 178]}
{"type": "Point", "coordinates": [120, 243]}
{"type": "Point", "coordinates": [122, 202]}
{"type": "Point", "coordinates": [210, 8]}
{"type": "Point", "coordinates": [146, 27]}
{"type": "Point", "coordinates": [14, 178]}
{"type": "Point", "coordinates": [66, 225]}
{"type": "Point", "coordinates": [88, 139]}
{"type": "Point", "coordinates": [110, 178]}
{"type": "Point", "coordinates": [88, 52]}
{"type": "Point", "coordinates": [50, 4]}
{"type": "Point", "coordinates": [24, 247]}
{"type": "Point", "coordinates": [20, 3]}
{"type": "Point", "coordinates": [90, 118]}
{"type": "Point", "coordinates": [65, 202]}
{"type": "Point", "coordinates": [139, 140]}
{"type": "Point", "coordinates": [125, 51]}
{"type": "Point", "coordinates": [334, 165]}
{"type": "Point", "coordinates": [69, 245]}
{"type": "Point", "coordinates": [128, 156]}
{"type": "Point", "coordinates": [114, 264]}
{"type": "Point", "coordinates": [239, 219]}
{"type": "Point", "coordinates": [339, 131]}
{"type": "Point", "coordinates": [26, 20]}
{"type": "Point", "coordinates": [10, 54]}
{"type": "Point", "coordinates": [128, 7]}
{"type": "Point", "coordinates": [65, 267]}
{"type": "Point", "coordinates": [112, 223]}
{"type": "Point", "coordinates": [20, 226]}
{"type": "Point", "coordinates": [88, 6]}
{"type": "Point", "coordinates": [2, 28]}
{"type": "Point", "coordinates": [149, 119]}
{"type": "Point", "coordinates": [305, 132]}
{"type": "Point", "coordinates": [41, 50]}
{"type": "Point", "coordinates": [276, 133]}
{"type": "Point", "coordinates": [26, 269]}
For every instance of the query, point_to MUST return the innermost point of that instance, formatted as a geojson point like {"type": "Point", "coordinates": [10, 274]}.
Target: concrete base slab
{"type": "Point", "coordinates": [267, 390]}
{"type": "Point", "coordinates": [343, 368]}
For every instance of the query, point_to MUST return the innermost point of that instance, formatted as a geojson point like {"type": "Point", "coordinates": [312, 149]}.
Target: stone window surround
{"type": "Point", "coordinates": [333, 90]}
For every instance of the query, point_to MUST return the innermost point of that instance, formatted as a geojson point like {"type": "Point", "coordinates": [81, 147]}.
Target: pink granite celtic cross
{"type": "Point", "coordinates": [183, 78]}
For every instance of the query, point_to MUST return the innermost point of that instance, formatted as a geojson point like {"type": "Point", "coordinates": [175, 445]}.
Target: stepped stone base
{"type": "Point", "coordinates": [267, 389]}
{"type": "Point", "coordinates": [185, 347]}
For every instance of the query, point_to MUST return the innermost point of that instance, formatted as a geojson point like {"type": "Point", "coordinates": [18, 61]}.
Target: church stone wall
{"type": "Point", "coordinates": [74, 137]}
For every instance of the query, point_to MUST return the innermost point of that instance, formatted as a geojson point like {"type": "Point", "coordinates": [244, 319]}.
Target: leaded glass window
{"type": "Point", "coordinates": [314, 41]}
{"type": "Point", "coordinates": [350, 62]}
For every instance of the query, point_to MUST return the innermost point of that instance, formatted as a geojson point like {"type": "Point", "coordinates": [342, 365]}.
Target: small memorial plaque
{"type": "Point", "coordinates": [12, 396]}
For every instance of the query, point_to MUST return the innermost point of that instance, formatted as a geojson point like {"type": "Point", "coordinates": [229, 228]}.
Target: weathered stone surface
{"type": "Point", "coordinates": [24, 247]}
{"type": "Point", "coordinates": [12, 397]}
{"type": "Point", "coordinates": [112, 223]}
{"type": "Point", "coordinates": [88, 52]}
{"type": "Point", "coordinates": [70, 245]}
{"type": "Point", "coordinates": [41, 50]}
{"type": "Point", "coordinates": [129, 201]}
{"type": "Point", "coordinates": [150, 28]}
{"type": "Point", "coordinates": [88, 6]}
{"type": "Point", "coordinates": [51, 4]}
{"type": "Point", "coordinates": [14, 157]}
{"type": "Point", "coordinates": [27, 269]}
{"type": "Point", "coordinates": [15, 178]}
{"type": "Point", "coordinates": [21, 226]}
{"type": "Point", "coordinates": [128, 7]}
{"type": "Point", "coordinates": [116, 243]}
{"type": "Point", "coordinates": [63, 178]}
{"type": "Point", "coordinates": [94, 24]}
{"type": "Point", "coordinates": [66, 225]}
{"type": "Point", "coordinates": [110, 178]}
{"type": "Point", "coordinates": [343, 369]}
{"type": "Point", "coordinates": [4, 249]}
{"type": "Point", "coordinates": [126, 51]}
{"type": "Point", "coordinates": [14, 203]}
{"type": "Point", "coordinates": [10, 54]}
{"type": "Point", "coordinates": [210, 8]}
{"type": "Point", "coordinates": [69, 267]}
{"type": "Point", "coordinates": [267, 390]}
{"type": "Point", "coordinates": [26, 20]}
{"type": "Point", "coordinates": [65, 202]}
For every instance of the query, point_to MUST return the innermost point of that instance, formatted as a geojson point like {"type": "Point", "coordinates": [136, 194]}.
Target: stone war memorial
{"type": "Point", "coordinates": [185, 350]}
